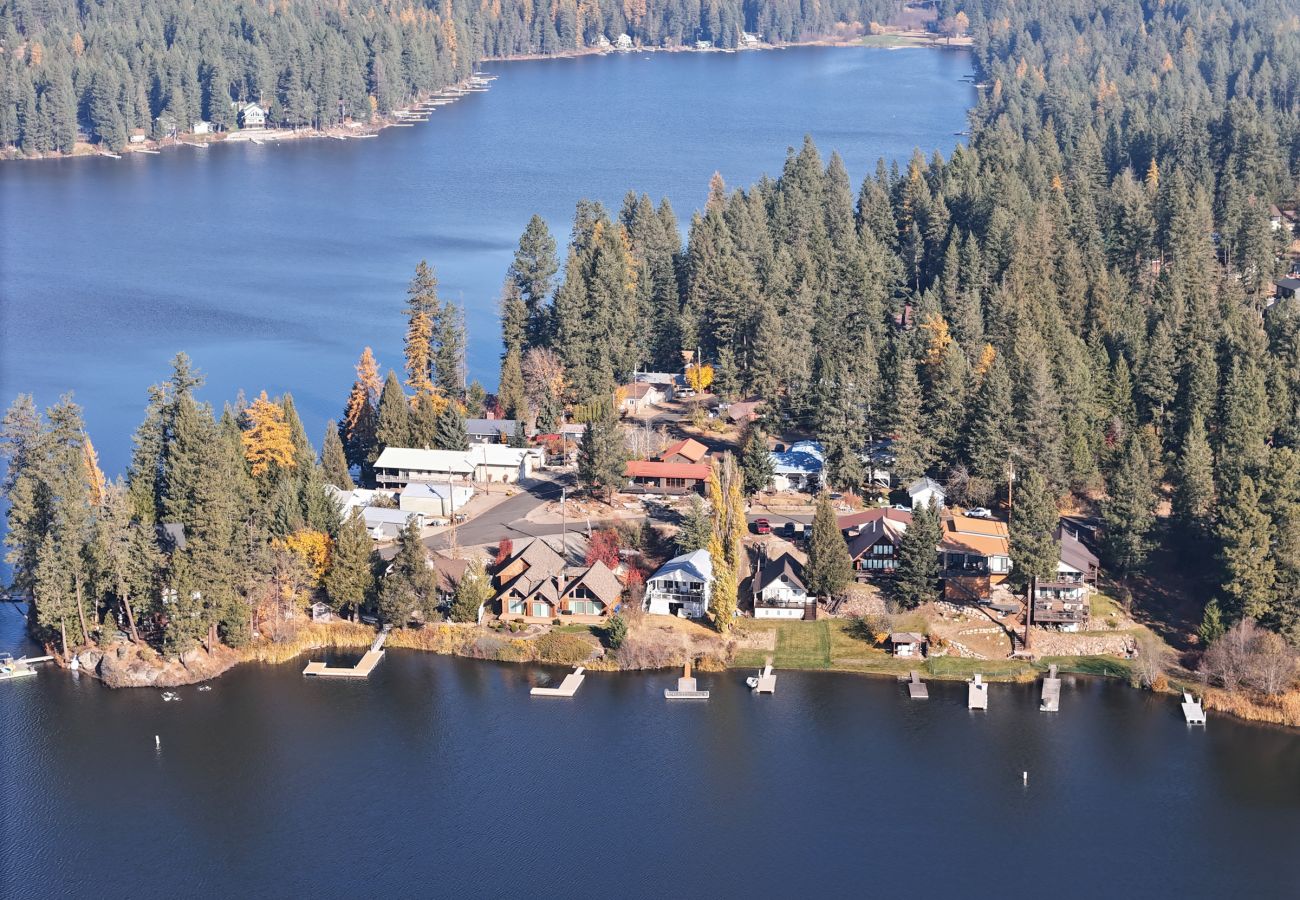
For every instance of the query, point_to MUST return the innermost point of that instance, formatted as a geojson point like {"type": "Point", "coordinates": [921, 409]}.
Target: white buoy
{"type": "Point", "coordinates": [1024, 778]}
{"type": "Point", "coordinates": [157, 742]}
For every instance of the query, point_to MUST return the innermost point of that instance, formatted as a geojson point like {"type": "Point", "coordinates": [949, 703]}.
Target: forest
{"type": "Point", "coordinates": [1082, 295]}
{"type": "Point", "coordinates": [105, 69]}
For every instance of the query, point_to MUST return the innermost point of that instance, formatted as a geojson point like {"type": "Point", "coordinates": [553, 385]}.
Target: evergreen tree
{"type": "Point", "coordinates": [696, 527]}
{"type": "Point", "coordinates": [449, 432]}
{"type": "Point", "coordinates": [350, 580]}
{"type": "Point", "coordinates": [1246, 534]}
{"type": "Point", "coordinates": [917, 574]}
{"type": "Point", "coordinates": [410, 585]}
{"type": "Point", "coordinates": [393, 425]}
{"type": "Point", "coordinates": [532, 272]}
{"type": "Point", "coordinates": [334, 461]}
{"type": "Point", "coordinates": [1035, 549]}
{"type": "Point", "coordinates": [472, 592]}
{"type": "Point", "coordinates": [1194, 474]}
{"type": "Point", "coordinates": [1129, 511]}
{"type": "Point", "coordinates": [602, 454]}
{"type": "Point", "coordinates": [830, 569]}
{"type": "Point", "coordinates": [756, 463]}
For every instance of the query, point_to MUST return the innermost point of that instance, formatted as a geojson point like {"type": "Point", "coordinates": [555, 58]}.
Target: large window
{"type": "Point", "coordinates": [584, 607]}
{"type": "Point", "coordinates": [518, 607]}
{"type": "Point", "coordinates": [541, 609]}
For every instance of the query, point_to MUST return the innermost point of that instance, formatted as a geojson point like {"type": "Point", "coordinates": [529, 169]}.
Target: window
{"type": "Point", "coordinates": [676, 482]}
{"type": "Point", "coordinates": [518, 607]}
{"type": "Point", "coordinates": [541, 609]}
{"type": "Point", "coordinates": [584, 607]}
{"type": "Point", "coordinates": [581, 593]}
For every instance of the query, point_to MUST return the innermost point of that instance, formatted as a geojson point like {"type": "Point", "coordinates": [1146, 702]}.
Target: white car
{"type": "Point", "coordinates": [979, 512]}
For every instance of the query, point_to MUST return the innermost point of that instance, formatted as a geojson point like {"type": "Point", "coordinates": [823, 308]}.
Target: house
{"type": "Point", "coordinates": [743, 412]}
{"type": "Point", "coordinates": [623, 42]}
{"type": "Point", "coordinates": [907, 643]}
{"type": "Point", "coordinates": [682, 586]}
{"type": "Point", "coordinates": [1063, 602]}
{"type": "Point", "coordinates": [1275, 220]}
{"type": "Point", "coordinates": [687, 451]}
{"type": "Point", "coordinates": [490, 431]}
{"type": "Point", "coordinates": [779, 591]}
{"type": "Point", "coordinates": [798, 468]}
{"type": "Point", "coordinates": [668, 383]}
{"type": "Point", "coordinates": [1287, 288]}
{"type": "Point", "coordinates": [874, 541]}
{"type": "Point", "coordinates": [639, 398]}
{"type": "Point", "coordinates": [201, 127]}
{"type": "Point", "coordinates": [925, 491]}
{"type": "Point", "coordinates": [357, 498]}
{"type": "Point", "coordinates": [749, 40]}
{"type": "Point", "coordinates": [974, 555]}
{"type": "Point", "coordinates": [138, 136]}
{"type": "Point", "coordinates": [252, 116]}
{"type": "Point", "coordinates": [321, 612]}
{"type": "Point", "coordinates": [704, 45]}
{"type": "Point", "coordinates": [397, 467]}
{"type": "Point", "coordinates": [434, 499]}
{"type": "Point", "coordinates": [536, 585]}
{"type": "Point", "coordinates": [602, 43]}
{"type": "Point", "coordinates": [653, 476]}
{"type": "Point", "coordinates": [387, 524]}
{"type": "Point", "coordinates": [450, 572]}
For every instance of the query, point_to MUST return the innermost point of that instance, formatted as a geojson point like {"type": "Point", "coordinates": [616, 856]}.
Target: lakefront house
{"type": "Point", "coordinates": [779, 591]}
{"type": "Point", "coordinates": [681, 587]}
{"type": "Point", "coordinates": [536, 585]}
{"type": "Point", "coordinates": [975, 555]}
{"type": "Point", "coordinates": [874, 536]}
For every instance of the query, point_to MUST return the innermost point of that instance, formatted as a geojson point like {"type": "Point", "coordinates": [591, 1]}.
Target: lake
{"type": "Point", "coordinates": [273, 265]}
{"type": "Point", "coordinates": [441, 777]}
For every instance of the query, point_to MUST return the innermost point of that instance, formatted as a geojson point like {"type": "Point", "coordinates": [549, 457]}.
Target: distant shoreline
{"type": "Point", "coordinates": [402, 118]}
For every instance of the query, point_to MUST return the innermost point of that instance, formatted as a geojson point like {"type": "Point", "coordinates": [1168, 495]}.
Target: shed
{"type": "Point", "coordinates": [907, 643]}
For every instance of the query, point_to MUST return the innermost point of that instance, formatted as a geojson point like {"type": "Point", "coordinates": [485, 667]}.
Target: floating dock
{"type": "Point", "coordinates": [568, 687]}
{"type": "Point", "coordinates": [11, 669]}
{"type": "Point", "coordinates": [686, 688]}
{"type": "Point", "coordinates": [916, 688]}
{"type": "Point", "coordinates": [362, 669]}
{"type": "Point", "coordinates": [1051, 692]}
{"type": "Point", "coordinates": [764, 682]}
{"type": "Point", "coordinates": [977, 693]}
{"type": "Point", "coordinates": [1192, 711]}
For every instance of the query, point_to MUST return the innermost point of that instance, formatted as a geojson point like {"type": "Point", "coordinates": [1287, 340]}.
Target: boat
{"type": "Point", "coordinates": [169, 696]}
{"type": "Point", "coordinates": [205, 687]}
{"type": "Point", "coordinates": [752, 681]}
{"type": "Point", "coordinates": [11, 668]}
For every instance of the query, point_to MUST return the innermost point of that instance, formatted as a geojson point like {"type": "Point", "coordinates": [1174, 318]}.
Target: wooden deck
{"type": "Point", "coordinates": [363, 667]}
{"type": "Point", "coordinates": [1192, 710]}
{"type": "Point", "coordinates": [686, 688]}
{"type": "Point", "coordinates": [1051, 701]}
{"type": "Point", "coordinates": [568, 687]}
{"type": "Point", "coordinates": [916, 688]}
{"type": "Point", "coordinates": [765, 682]}
{"type": "Point", "coordinates": [977, 693]}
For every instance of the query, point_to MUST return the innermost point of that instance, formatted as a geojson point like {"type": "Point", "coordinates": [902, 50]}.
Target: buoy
{"type": "Point", "coordinates": [157, 742]}
{"type": "Point", "coordinates": [1024, 777]}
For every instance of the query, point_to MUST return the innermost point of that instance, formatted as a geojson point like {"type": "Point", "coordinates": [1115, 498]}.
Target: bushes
{"type": "Point", "coordinates": [615, 632]}
{"type": "Point", "coordinates": [563, 649]}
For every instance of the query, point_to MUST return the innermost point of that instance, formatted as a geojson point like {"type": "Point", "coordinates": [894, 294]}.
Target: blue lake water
{"type": "Point", "coordinates": [273, 265]}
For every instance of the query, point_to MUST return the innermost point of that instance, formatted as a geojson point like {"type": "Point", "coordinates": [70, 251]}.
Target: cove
{"type": "Point", "coordinates": [273, 265]}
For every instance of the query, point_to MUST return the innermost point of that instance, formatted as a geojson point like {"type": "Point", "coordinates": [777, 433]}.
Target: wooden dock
{"type": "Point", "coordinates": [977, 693]}
{"type": "Point", "coordinates": [1051, 701]}
{"type": "Point", "coordinates": [1192, 711]}
{"type": "Point", "coordinates": [11, 669]}
{"type": "Point", "coordinates": [568, 687]}
{"type": "Point", "coordinates": [764, 682]}
{"type": "Point", "coordinates": [916, 688]}
{"type": "Point", "coordinates": [686, 688]}
{"type": "Point", "coordinates": [363, 667]}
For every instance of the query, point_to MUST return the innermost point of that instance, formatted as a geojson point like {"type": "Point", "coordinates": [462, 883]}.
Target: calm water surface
{"type": "Point", "coordinates": [442, 777]}
{"type": "Point", "coordinates": [273, 265]}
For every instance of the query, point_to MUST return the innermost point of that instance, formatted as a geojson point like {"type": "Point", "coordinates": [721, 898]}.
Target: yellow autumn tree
{"type": "Point", "coordinates": [314, 548]}
{"type": "Point", "coordinates": [267, 442]}
{"type": "Point", "coordinates": [94, 475]}
{"type": "Point", "coordinates": [985, 362]}
{"type": "Point", "coordinates": [699, 377]}
{"type": "Point", "coordinates": [937, 338]}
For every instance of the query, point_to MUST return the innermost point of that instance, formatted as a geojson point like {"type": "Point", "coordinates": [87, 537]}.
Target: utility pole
{"type": "Point", "coordinates": [1029, 609]}
{"type": "Point", "coordinates": [451, 498]}
{"type": "Point", "coordinates": [564, 526]}
{"type": "Point", "coordinates": [1011, 477]}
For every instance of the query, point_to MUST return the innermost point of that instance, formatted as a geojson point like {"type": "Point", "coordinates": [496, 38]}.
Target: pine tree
{"type": "Point", "coordinates": [1129, 511]}
{"type": "Point", "coordinates": [410, 585]}
{"type": "Point", "coordinates": [333, 459]}
{"type": "Point", "coordinates": [393, 425]}
{"type": "Point", "coordinates": [917, 575]}
{"type": "Point", "coordinates": [602, 454]}
{"type": "Point", "coordinates": [830, 569]}
{"type": "Point", "coordinates": [350, 580]}
{"type": "Point", "coordinates": [1246, 533]}
{"type": "Point", "coordinates": [472, 592]}
{"type": "Point", "coordinates": [911, 447]}
{"type": "Point", "coordinates": [510, 392]}
{"type": "Point", "coordinates": [696, 529]}
{"type": "Point", "coordinates": [449, 432]}
{"type": "Point", "coordinates": [1194, 486]}
{"type": "Point", "coordinates": [1035, 550]}
{"type": "Point", "coordinates": [756, 463]}
{"type": "Point", "coordinates": [422, 310]}
{"type": "Point", "coordinates": [1212, 626]}
{"type": "Point", "coordinates": [532, 272]}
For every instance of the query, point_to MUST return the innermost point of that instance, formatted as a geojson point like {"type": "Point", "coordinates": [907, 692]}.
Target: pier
{"type": "Point", "coordinates": [916, 688]}
{"type": "Point", "coordinates": [1192, 711]}
{"type": "Point", "coordinates": [362, 669]}
{"type": "Point", "coordinates": [764, 682]}
{"type": "Point", "coordinates": [977, 693]}
{"type": "Point", "coordinates": [1051, 692]}
{"type": "Point", "coordinates": [686, 688]}
{"type": "Point", "coordinates": [568, 687]}
{"type": "Point", "coordinates": [11, 668]}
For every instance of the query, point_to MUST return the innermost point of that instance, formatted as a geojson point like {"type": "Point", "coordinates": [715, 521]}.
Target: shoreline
{"type": "Point", "coordinates": [125, 665]}
{"type": "Point", "coordinates": [403, 118]}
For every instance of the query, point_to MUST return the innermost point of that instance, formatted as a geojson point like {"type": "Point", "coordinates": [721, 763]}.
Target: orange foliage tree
{"type": "Point", "coordinates": [267, 442]}
{"type": "Point", "coordinates": [314, 549]}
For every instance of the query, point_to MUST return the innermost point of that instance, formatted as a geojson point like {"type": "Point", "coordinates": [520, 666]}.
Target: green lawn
{"type": "Point", "coordinates": [1088, 665]}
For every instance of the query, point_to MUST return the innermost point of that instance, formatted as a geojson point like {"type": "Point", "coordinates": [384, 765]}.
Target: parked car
{"type": "Point", "coordinates": [980, 512]}
{"type": "Point", "coordinates": [762, 526]}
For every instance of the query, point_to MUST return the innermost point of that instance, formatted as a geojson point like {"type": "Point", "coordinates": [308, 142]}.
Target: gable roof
{"type": "Point", "coordinates": [925, 483]}
{"type": "Point", "coordinates": [871, 533]}
{"type": "Point", "coordinates": [695, 566]}
{"type": "Point", "coordinates": [802, 458]}
{"type": "Point", "coordinates": [744, 410]}
{"type": "Point", "coordinates": [450, 571]}
{"type": "Point", "coordinates": [1073, 552]}
{"type": "Point", "coordinates": [689, 448]}
{"type": "Point", "coordinates": [410, 458]}
{"type": "Point", "coordinates": [653, 468]}
{"type": "Point", "coordinates": [784, 565]}
{"type": "Point", "coordinates": [638, 390]}
{"type": "Point", "coordinates": [867, 516]}
{"type": "Point", "coordinates": [503, 427]}
{"type": "Point", "coordinates": [906, 637]}
{"type": "Point", "coordinates": [600, 580]}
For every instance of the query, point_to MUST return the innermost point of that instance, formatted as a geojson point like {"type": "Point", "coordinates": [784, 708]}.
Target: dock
{"type": "Point", "coordinates": [362, 669]}
{"type": "Point", "coordinates": [11, 669]}
{"type": "Point", "coordinates": [977, 693]}
{"type": "Point", "coordinates": [916, 688]}
{"type": "Point", "coordinates": [568, 687]}
{"type": "Point", "coordinates": [1051, 701]}
{"type": "Point", "coordinates": [764, 682]}
{"type": "Point", "coordinates": [686, 688]}
{"type": "Point", "coordinates": [1192, 711]}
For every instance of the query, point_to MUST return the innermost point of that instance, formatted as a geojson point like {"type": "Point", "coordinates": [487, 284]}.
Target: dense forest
{"type": "Point", "coordinates": [106, 68]}
{"type": "Point", "coordinates": [1081, 296]}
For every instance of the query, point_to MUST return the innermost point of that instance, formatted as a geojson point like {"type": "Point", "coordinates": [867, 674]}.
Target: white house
{"type": "Point", "coordinates": [387, 524]}
{"type": "Point", "coordinates": [682, 586]}
{"type": "Point", "coordinates": [925, 490]}
{"type": "Point", "coordinates": [798, 468]}
{"type": "Point", "coordinates": [357, 498]}
{"type": "Point", "coordinates": [779, 591]}
{"type": "Point", "coordinates": [749, 40]}
{"type": "Point", "coordinates": [397, 467]}
{"type": "Point", "coordinates": [639, 398]}
{"type": "Point", "coordinates": [201, 127]}
{"type": "Point", "coordinates": [252, 116]}
{"type": "Point", "coordinates": [434, 499]}
{"type": "Point", "coordinates": [499, 463]}
{"type": "Point", "coordinates": [623, 42]}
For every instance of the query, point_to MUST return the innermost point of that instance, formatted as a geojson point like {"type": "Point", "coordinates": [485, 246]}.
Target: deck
{"type": "Point", "coordinates": [568, 687]}
{"type": "Point", "coordinates": [686, 688]}
{"type": "Point", "coordinates": [916, 688]}
{"type": "Point", "coordinates": [765, 682]}
{"type": "Point", "coordinates": [1051, 701]}
{"type": "Point", "coordinates": [1192, 710]}
{"type": "Point", "coordinates": [977, 693]}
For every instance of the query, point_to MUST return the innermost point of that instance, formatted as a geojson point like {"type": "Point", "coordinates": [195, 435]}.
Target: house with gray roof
{"type": "Point", "coordinates": [682, 586]}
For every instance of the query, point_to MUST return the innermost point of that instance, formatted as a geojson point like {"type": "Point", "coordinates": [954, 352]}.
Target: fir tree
{"type": "Point", "coordinates": [917, 574]}
{"type": "Point", "coordinates": [410, 585]}
{"type": "Point", "coordinates": [472, 592]}
{"type": "Point", "coordinates": [1246, 533]}
{"type": "Point", "coordinates": [334, 461]}
{"type": "Point", "coordinates": [1194, 474]}
{"type": "Point", "coordinates": [449, 432]}
{"type": "Point", "coordinates": [350, 580]}
{"type": "Point", "coordinates": [829, 569]}
{"type": "Point", "coordinates": [601, 454]}
{"type": "Point", "coordinates": [1129, 511]}
{"type": "Point", "coordinates": [756, 463]}
{"type": "Point", "coordinates": [393, 426]}
{"type": "Point", "coordinates": [696, 527]}
{"type": "Point", "coordinates": [1035, 550]}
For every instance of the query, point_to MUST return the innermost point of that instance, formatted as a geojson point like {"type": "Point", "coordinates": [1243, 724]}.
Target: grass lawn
{"type": "Point", "coordinates": [575, 629]}
{"type": "Point", "coordinates": [887, 40]}
{"type": "Point", "coordinates": [1088, 665]}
